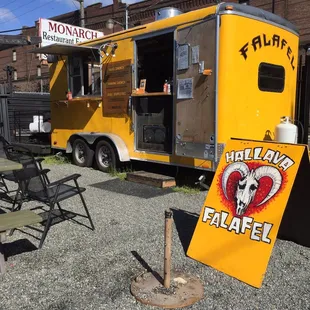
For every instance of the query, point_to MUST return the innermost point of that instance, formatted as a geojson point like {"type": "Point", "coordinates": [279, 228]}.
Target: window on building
{"type": "Point", "coordinates": [84, 77]}
{"type": "Point", "coordinates": [271, 78]}
{"type": "Point", "coordinates": [38, 71]}
{"type": "Point", "coordinates": [15, 75]}
{"type": "Point", "coordinates": [14, 55]}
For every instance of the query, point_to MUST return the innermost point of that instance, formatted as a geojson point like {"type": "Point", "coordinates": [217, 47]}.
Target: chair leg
{"type": "Point", "coordinates": [19, 206]}
{"type": "Point", "coordinates": [2, 258]}
{"type": "Point", "coordinates": [47, 226]}
{"type": "Point", "coordinates": [4, 184]}
{"type": "Point", "coordinates": [15, 200]}
{"type": "Point", "coordinates": [61, 211]}
{"type": "Point", "coordinates": [85, 207]}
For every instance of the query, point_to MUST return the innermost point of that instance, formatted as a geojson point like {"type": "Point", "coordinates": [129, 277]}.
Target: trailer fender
{"type": "Point", "coordinates": [91, 138]}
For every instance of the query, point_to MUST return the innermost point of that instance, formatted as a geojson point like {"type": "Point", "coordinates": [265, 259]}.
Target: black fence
{"type": "Point", "coordinates": [303, 96]}
{"type": "Point", "coordinates": [23, 116]}
{"type": "Point", "coordinates": [30, 127]}
{"type": "Point", "coordinates": [4, 116]}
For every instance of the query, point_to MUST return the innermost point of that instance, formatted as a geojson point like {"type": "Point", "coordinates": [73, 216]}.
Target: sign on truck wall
{"type": "Point", "coordinates": [116, 79]}
{"type": "Point", "coordinates": [240, 219]}
{"type": "Point", "coordinates": [53, 32]}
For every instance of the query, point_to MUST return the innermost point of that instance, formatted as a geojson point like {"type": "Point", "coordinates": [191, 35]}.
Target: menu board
{"type": "Point", "coordinates": [116, 79]}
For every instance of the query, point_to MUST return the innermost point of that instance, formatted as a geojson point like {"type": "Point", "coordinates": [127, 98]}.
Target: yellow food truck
{"type": "Point", "coordinates": [175, 90]}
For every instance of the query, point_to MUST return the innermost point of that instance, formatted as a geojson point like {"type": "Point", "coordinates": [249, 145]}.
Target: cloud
{"type": "Point", "coordinates": [6, 15]}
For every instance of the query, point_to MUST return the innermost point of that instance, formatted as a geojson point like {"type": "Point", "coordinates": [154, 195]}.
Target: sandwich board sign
{"type": "Point", "coordinates": [241, 216]}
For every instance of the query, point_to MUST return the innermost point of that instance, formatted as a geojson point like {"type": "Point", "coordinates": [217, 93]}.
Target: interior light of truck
{"type": "Point", "coordinates": [229, 7]}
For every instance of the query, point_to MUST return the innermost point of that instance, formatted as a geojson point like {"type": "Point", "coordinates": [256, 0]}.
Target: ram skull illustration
{"type": "Point", "coordinates": [249, 183]}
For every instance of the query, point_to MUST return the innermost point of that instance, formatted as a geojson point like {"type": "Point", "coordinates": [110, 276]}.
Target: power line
{"type": "Point", "coordinates": [75, 5]}
{"type": "Point", "coordinates": [11, 11]}
{"type": "Point", "coordinates": [11, 30]}
{"type": "Point", "coordinates": [29, 11]}
{"type": "Point", "coordinates": [74, 19]}
{"type": "Point", "coordinates": [7, 4]}
{"type": "Point", "coordinates": [147, 8]}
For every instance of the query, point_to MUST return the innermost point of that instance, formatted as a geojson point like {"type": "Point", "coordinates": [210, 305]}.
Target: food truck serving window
{"type": "Point", "coordinates": [271, 77]}
{"type": "Point", "coordinates": [84, 76]}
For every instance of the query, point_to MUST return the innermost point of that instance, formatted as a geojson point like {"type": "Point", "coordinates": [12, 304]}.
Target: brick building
{"type": "Point", "coordinates": [32, 75]}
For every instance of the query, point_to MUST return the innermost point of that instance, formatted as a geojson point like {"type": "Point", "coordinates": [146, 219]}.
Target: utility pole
{"type": "Point", "coordinates": [126, 17]}
{"type": "Point", "coordinates": [82, 18]}
{"type": "Point", "coordinates": [9, 71]}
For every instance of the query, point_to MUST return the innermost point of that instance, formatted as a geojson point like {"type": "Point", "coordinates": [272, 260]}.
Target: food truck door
{"type": "Point", "coordinates": [195, 90]}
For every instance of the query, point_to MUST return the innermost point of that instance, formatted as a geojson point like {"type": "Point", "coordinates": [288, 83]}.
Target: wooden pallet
{"type": "Point", "coordinates": [153, 179]}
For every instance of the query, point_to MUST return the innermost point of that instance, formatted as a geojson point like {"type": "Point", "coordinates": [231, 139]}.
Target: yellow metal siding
{"type": "Point", "coordinates": [244, 110]}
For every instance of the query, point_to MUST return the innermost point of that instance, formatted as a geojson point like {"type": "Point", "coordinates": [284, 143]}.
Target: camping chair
{"type": "Point", "coordinates": [5, 175]}
{"type": "Point", "coordinates": [34, 186]}
{"type": "Point", "coordinates": [9, 175]}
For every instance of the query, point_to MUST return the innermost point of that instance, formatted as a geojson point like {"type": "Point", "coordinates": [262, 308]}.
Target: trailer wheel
{"type": "Point", "coordinates": [106, 157]}
{"type": "Point", "coordinates": [82, 154]}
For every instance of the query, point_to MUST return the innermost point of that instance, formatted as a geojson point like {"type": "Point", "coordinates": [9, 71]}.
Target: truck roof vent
{"type": "Point", "coordinates": [167, 12]}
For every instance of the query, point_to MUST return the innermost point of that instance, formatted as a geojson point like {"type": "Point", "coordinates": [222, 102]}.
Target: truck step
{"type": "Point", "coordinates": [153, 179]}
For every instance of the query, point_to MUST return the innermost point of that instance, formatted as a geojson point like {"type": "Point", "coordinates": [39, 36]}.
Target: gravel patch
{"type": "Point", "coordinates": [82, 269]}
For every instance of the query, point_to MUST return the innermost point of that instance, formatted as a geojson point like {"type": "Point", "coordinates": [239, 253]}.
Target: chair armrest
{"type": "Point", "coordinates": [45, 171]}
{"type": "Point", "coordinates": [39, 161]}
{"type": "Point", "coordinates": [64, 180]}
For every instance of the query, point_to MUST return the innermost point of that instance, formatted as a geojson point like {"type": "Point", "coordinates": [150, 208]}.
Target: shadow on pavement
{"type": "Point", "coordinates": [18, 247]}
{"type": "Point", "coordinates": [132, 189]}
{"type": "Point", "coordinates": [146, 266]}
{"type": "Point", "coordinates": [185, 223]}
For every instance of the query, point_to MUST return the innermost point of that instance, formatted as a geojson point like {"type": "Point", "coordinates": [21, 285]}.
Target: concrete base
{"type": "Point", "coordinates": [184, 290]}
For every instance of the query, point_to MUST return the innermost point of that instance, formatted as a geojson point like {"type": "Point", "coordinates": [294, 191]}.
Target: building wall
{"type": "Point", "coordinates": [297, 11]}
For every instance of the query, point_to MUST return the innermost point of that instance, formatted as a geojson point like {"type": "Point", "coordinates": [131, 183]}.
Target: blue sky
{"type": "Point", "coordinates": [17, 13]}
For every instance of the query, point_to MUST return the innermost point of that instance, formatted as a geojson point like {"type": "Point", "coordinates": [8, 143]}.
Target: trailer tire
{"type": "Point", "coordinates": [82, 154]}
{"type": "Point", "coordinates": [106, 156]}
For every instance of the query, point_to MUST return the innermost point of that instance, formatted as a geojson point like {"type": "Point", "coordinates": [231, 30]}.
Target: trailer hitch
{"type": "Point", "coordinates": [201, 180]}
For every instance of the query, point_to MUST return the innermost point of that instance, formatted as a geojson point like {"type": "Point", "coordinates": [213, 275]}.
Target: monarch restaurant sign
{"type": "Point", "coordinates": [53, 32]}
{"type": "Point", "coordinates": [241, 216]}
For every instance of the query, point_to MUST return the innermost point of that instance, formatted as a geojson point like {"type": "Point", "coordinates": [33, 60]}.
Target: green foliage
{"type": "Point", "coordinates": [56, 160]}
{"type": "Point", "coordinates": [186, 190]}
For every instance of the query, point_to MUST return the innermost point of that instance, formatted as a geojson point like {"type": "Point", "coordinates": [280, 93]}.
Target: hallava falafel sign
{"type": "Point", "coordinates": [240, 219]}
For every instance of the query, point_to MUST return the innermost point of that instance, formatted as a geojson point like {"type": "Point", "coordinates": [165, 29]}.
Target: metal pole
{"type": "Point", "coordinates": [126, 25]}
{"type": "Point", "coordinates": [273, 5]}
{"type": "Point", "coordinates": [9, 70]}
{"type": "Point", "coordinates": [82, 20]}
{"type": "Point", "coordinates": [168, 234]}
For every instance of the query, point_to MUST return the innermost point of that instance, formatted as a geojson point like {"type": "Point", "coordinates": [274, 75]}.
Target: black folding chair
{"type": "Point", "coordinates": [34, 185]}
{"type": "Point", "coordinates": [5, 175]}
{"type": "Point", "coordinates": [9, 175]}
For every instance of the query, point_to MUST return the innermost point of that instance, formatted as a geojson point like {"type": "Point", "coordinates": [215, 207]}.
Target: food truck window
{"type": "Point", "coordinates": [84, 78]}
{"type": "Point", "coordinates": [271, 78]}
{"type": "Point", "coordinates": [155, 61]}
